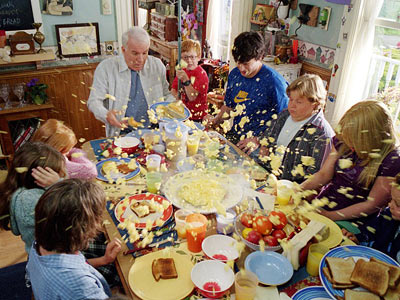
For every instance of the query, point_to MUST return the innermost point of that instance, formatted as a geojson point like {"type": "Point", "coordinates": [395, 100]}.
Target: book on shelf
{"type": "Point", "coordinates": [22, 138]}
{"type": "Point", "coordinates": [27, 136]}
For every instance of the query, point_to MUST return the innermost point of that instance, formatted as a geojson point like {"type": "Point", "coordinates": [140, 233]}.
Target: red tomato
{"type": "Point", "coordinates": [246, 219]}
{"type": "Point", "coordinates": [279, 234]}
{"type": "Point", "coordinates": [278, 219]}
{"type": "Point", "coordinates": [262, 225]}
{"type": "Point", "coordinates": [271, 240]}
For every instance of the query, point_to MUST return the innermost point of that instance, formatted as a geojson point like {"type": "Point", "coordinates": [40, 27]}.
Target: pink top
{"type": "Point", "coordinates": [79, 166]}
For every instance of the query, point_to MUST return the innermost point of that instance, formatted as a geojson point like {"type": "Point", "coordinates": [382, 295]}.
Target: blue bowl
{"type": "Point", "coordinates": [270, 267]}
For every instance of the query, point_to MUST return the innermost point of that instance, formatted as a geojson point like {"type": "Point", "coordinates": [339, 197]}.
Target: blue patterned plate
{"type": "Point", "coordinates": [115, 176]}
{"type": "Point", "coordinates": [164, 119]}
{"type": "Point", "coordinates": [356, 252]}
{"type": "Point", "coordinates": [311, 293]}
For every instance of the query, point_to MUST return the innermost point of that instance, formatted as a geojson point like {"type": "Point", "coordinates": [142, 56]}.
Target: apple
{"type": "Point", "coordinates": [279, 234]}
{"type": "Point", "coordinates": [278, 219]}
{"type": "Point", "coordinates": [254, 237]}
{"type": "Point", "coordinates": [270, 240]}
{"type": "Point", "coordinates": [247, 219]}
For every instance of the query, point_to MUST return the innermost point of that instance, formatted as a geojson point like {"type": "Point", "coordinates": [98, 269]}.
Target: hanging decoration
{"type": "Point", "coordinates": [189, 25]}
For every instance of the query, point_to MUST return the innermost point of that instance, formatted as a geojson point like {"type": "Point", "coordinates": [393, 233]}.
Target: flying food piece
{"type": "Point", "coordinates": [132, 122]}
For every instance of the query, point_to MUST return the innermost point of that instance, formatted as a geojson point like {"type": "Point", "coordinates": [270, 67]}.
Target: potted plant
{"type": "Point", "coordinates": [37, 91]}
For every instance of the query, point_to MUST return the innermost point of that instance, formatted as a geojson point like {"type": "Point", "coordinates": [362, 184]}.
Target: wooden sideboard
{"type": "Point", "coordinates": [68, 91]}
{"type": "Point", "coordinates": [15, 114]}
{"type": "Point", "coordinates": [168, 51]}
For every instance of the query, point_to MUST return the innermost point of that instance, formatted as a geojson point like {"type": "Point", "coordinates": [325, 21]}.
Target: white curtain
{"type": "Point", "coordinates": [124, 17]}
{"type": "Point", "coordinates": [222, 29]}
{"type": "Point", "coordinates": [353, 57]}
{"type": "Point", "coordinates": [213, 27]}
{"type": "Point", "coordinates": [240, 22]}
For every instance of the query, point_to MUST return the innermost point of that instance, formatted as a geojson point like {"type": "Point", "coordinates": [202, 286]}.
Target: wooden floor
{"type": "Point", "coordinates": [12, 248]}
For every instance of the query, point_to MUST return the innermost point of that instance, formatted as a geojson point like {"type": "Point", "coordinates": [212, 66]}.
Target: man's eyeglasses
{"type": "Point", "coordinates": [192, 57]}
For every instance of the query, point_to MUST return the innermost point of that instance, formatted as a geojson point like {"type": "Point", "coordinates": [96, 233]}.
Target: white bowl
{"type": "Point", "coordinates": [212, 271]}
{"type": "Point", "coordinates": [220, 245]}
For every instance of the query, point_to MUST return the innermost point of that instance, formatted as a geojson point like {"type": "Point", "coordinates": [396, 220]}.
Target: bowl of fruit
{"type": "Point", "coordinates": [254, 226]}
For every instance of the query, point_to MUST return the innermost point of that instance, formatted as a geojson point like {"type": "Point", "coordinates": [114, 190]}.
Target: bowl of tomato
{"type": "Point", "coordinates": [254, 226]}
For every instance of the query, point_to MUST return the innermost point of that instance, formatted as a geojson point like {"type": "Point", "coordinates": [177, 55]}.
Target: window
{"type": "Point", "coordinates": [384, 71]}
{"type": "Point", "coordinates": [218, 27]}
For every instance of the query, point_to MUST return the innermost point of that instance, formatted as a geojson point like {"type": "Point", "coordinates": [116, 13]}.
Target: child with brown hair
{"type": "Point", "coordinates": [67, 217]}
{"type": "Point", "coordinates": [194, 81]}
{"type": "Point", "coordinates": [21, 190]}
{"type": "Point", "coordinates": [56, 134]}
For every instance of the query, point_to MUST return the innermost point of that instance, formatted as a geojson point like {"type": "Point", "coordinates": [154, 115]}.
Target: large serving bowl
{"type": "Point", "coordinates": [239, 227]}
{"type": "Point", "coordinates": [214, 274]}
{"type": "Point", "coordinates": [220, 247]}
{"type": "Point", "coordinates": [128, 144]}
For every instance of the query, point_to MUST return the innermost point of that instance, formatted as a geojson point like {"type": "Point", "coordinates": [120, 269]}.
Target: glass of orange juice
{"type": "Point", "coordinates": [193, 142]}
{"type": "Point", "coordinates": [246, 283]}
{"type": "Point", "coordinates": [196, 227]}
{"type": "Point", "coordinates": [315, 254]}
{"type": "Point", "coordinates": [284, 191]}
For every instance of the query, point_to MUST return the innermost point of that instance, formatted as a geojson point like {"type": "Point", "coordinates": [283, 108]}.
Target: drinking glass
{"type": "Point", "coordinates": [246, 284]}
{"type": "Point", "coordinates": [4, 94]}
{"type": "Point", "coordinates": [19, 91]}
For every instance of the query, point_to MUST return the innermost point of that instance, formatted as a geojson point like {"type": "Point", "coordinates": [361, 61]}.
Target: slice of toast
{"type": "Point", "coordinates": [340, 269]}
{"type": "Point", "coordinates": [142, 209]}
{"type": "Point", "coordinates": [372, 276]}
{"type": "Point", "coordinates": [164, 268]}
{"type": "Point", "coordinates": [358, 295]}
{"type": "Point", "coordinates": [394, 272]}
{"type": "Point", "coordinates": [392, 294]}
{"type": "Point", "coordinates": [124, 169]}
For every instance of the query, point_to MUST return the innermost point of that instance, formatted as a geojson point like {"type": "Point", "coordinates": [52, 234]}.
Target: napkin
{"type": "Point", "coordinates": [267, 200]}
{"type": "Point", "coordinates": [294, 246]}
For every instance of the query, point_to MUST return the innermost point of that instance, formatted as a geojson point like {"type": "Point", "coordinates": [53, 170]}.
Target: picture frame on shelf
{"type": "Point", "coordinates": [75, 40]}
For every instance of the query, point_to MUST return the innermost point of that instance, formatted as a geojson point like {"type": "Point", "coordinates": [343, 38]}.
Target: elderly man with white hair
{"type": "Point", "coordinates": [125, 86]}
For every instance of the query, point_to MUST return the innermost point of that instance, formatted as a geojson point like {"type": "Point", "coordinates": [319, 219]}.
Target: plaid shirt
{"type": "Point", "coordinates": [307, 142]}
{"type": "Point", "coordinates": [64, 276]}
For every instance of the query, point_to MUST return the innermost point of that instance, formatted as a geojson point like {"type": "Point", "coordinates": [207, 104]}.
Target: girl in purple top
{"type": "Point", "coordinates": [357, 175]}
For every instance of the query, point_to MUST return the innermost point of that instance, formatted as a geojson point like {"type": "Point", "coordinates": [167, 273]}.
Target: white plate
{"type": "Point", "coordinates": [171, 188]}
{"type": "Point", "coordinates": [356, 252]}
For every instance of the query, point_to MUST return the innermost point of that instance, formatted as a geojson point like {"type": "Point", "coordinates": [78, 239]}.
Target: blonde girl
{"type": "Point", "coordinates": [56, 134]}
{"type": "Point", "coordinates": [356, 176]}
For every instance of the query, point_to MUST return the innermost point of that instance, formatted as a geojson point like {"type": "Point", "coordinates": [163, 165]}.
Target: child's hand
{"type": "Point", "coordinates": [181, 74]}
{"type": "Point", "coordinates": [45, 176]}
{"type": "Point", "coordinates": [351, 236]}
{"type": "Point", "coordinates": [112, 250]}
{"type": "Point", "coordinates": [395, 210]}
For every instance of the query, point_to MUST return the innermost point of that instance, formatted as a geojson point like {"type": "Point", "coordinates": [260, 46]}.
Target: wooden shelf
{"type": "Point", "coordinates": [30, 58]}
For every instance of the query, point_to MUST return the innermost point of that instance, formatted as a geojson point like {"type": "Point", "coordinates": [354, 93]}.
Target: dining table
{"type": "Point", "coordinates": [137, 185]}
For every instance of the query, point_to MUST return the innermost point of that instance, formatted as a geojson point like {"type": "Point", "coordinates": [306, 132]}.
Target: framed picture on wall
{"type": "Point", "coordinates": [78, 39]}
{"type": "Point", "coordinates": [58, 7]}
